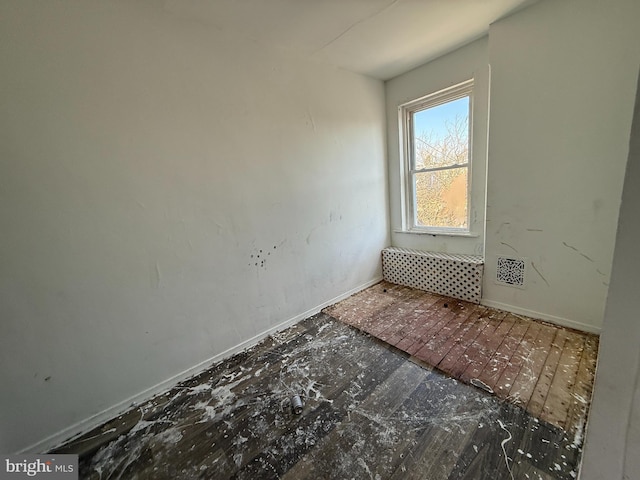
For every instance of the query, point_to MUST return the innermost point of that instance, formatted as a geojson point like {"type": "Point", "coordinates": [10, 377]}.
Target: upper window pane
{"type": "Point", "coordinates": [441, 135]}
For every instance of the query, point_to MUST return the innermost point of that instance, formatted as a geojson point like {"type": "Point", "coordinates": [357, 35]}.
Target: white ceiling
{"type": "Point", "coordinates": [380, 38]}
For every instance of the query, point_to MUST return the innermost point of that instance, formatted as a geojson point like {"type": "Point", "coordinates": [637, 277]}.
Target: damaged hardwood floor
{"type": "Point", "coordinates": [548, 370]}
{"type": "Point", "coordinates": [371, 411]}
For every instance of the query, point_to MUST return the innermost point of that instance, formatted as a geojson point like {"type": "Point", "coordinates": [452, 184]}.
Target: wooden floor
{"type": "Point", "coordinates": [546, 369]}
{"type": "Point", "coordinates": [371, 412]}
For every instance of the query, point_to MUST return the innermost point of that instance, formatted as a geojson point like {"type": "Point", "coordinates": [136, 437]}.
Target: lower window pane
{"type": "Point", "coordinates": [441, 198]}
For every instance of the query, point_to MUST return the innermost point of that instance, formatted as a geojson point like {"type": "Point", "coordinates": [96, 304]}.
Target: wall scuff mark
{"type": "Point", "coordinates": [507, 245]}
{"type": "Point", "coordinates": [313, 123]}
{"type": "Point", "coordinates": [500, 227]}
{"type": "Point", "coordinates": [156, 276]}
{"type": "Point", "coordinates": [578, 251]}
{"type": "Point", "coordinates": [533, 265]}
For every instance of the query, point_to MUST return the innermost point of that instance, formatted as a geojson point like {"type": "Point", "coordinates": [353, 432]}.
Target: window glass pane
{"type": "Point", "coordinates": [441, 198]}
{"type": "Point", "coordinates": [441, 135]}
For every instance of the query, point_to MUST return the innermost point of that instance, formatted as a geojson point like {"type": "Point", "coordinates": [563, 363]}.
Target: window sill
{"type": "Point", "coordinates": [439, 234]}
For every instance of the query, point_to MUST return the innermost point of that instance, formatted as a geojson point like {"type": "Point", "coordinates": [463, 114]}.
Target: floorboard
{"type": "Point", "coordinates": [544, 368]}
{"type": "Point", "coordinates": [502, 356]}
{"type": "Point", "coordinates": [371, 411]}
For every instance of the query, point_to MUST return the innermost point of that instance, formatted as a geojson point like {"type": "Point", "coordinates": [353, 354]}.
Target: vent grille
{"type": "Point", "coordinates": [457, 276]}
{"type": "Point", "coordinates": [511, 272]}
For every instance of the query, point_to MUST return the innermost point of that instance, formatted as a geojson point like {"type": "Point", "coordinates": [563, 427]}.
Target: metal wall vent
{"type": "Point", "coordinates": [511, 271]}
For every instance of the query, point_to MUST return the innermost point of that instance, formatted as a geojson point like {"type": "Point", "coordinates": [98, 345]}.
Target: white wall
{"type": "Point", "coordinates": [470, 61]}
{"type": "Point", "coordinates": [613, 436]}
{"type": "Point", "coordinates": [562, 89]}
{"type": "Point", "coordinates": [145, 163]}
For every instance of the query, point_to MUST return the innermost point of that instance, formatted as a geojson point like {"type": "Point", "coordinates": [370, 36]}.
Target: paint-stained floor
{"type": "Point", "coordinates": [546, 369]}
{"type": "Point", "coordinates": [371, 412]}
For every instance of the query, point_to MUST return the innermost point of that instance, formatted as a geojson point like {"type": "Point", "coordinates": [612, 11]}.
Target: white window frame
{"type": "Point", "coordinates": [407, 153]}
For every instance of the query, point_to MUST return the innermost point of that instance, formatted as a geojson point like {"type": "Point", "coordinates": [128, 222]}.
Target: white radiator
{"type": "Point", "coordinates": [457, 276]}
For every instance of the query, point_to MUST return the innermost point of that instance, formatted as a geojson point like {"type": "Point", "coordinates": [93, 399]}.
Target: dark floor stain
{"type": "Point", "coordinates": [369, 413]}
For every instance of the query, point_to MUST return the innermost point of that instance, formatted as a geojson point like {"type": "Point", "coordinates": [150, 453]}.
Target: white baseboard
{"type": "Point", "coordinates": [98, 419]}
{"type": "Point", "coordinates": [563, 322]}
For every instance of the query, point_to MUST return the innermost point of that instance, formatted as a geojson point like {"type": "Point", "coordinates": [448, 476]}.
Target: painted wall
{"type": "Point", "coordinates": [468, 62]}
{"type": "Point", "coordinates": [166, 194]}
{"type": "Point", "coordinates": [613, 435]}
{"type": "Point", "coordinates": [562, 88]}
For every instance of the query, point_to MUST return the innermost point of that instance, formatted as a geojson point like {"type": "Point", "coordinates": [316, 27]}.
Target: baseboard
{"type": "Point", "coordinates": [98, 419]}
{"type": "Point", "coordinates": [563, 322]}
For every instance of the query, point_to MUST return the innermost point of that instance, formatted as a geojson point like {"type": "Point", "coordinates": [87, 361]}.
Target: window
{"type": "Point", "coordinates": [437, 161]}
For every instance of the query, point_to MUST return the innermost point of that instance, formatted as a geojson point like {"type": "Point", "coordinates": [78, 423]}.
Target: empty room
{"type": "Point", "coordinates": [365, 239]}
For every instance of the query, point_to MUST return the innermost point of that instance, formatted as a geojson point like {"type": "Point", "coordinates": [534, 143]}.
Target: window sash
{"type": "Point", "coordinates": [408, 110]}
{"type": "Point", "coordinates": [437, 169]}
{"type": "Point", "coordinates": [417, 224]}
